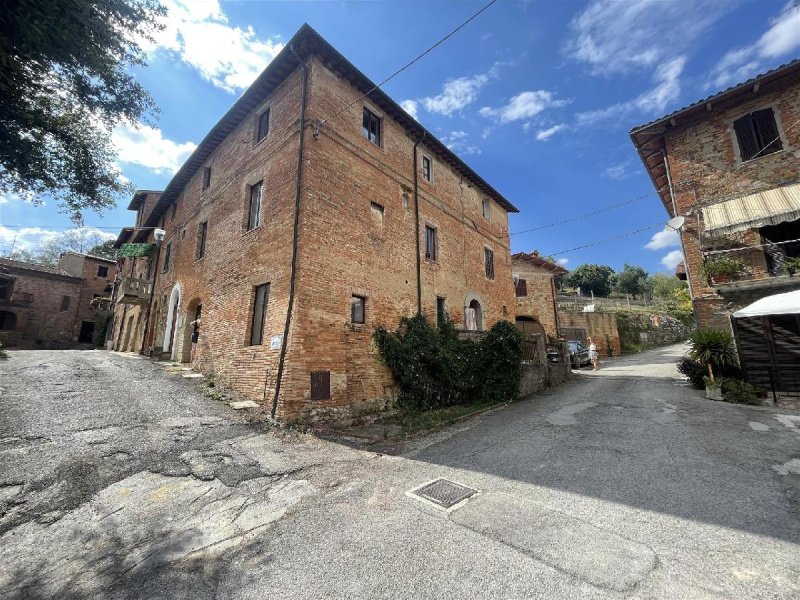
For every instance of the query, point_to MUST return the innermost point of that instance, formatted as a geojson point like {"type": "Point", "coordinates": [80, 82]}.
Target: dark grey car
{"type": "Point", "coordinates": [578, 354]}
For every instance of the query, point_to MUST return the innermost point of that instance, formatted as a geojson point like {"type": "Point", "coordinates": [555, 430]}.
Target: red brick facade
{"type": "Point", "coordinates": [535, 293]}
{"type": "Point", "coordinates": [706, 167]}
{"type": "Point", "coordinates": [357, 238]}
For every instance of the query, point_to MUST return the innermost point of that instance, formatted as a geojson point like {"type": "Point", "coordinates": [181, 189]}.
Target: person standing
{"type": "Point", "coordinates": [593, 353]}
{"type": "Point", "coordinates": [195, 332]}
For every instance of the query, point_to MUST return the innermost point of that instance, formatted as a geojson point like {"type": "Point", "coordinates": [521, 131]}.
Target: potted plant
{"type": "Point", "coordinates": [716, 351]}
{"type": "Point", "coordinates": [722, 269]}
{"type": "Point", "coordinates": [792, 264]}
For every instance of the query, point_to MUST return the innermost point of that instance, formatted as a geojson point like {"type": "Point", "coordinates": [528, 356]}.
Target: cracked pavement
{"type": "Point", "coordinates": [120, 479]}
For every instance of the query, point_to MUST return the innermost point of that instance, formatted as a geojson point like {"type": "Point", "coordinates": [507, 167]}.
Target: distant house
{"type": "Point", "coordinates": [52, 306]}
{"type": "Point", "coordinates": [534, 278]}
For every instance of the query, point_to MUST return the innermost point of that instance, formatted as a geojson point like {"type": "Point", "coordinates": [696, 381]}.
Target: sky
{"type": "Point", "coordinates": [537, 96]}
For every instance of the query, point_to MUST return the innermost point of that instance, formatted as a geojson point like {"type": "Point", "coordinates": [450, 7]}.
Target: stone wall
{"type": "Point", "coordinates": [539, 302]}
{"type": "Point", "coordinates": [601, 327]}
{"type": "Point", "coordinates": [638, 331]}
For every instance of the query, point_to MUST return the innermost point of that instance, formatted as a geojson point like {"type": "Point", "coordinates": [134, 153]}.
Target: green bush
{"type": "Point", "coordinates": [694, 370]}
{"type": "Point", "coordinates": [739, 392]}
{"type": "Point", "coordinates": [435, 369]}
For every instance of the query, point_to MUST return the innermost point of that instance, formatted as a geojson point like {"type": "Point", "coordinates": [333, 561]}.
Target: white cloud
{"type": "Point", "coordinates": [617, 37]}
{"type": "Point", "coordinates": [671, 259]}
{"type": "Point", "coordinates": [523, 106]}
{"type": "Point", "coordinates": [663, 239]}
{"type": "Point", "coordinates": [618, 172]}
{"type": "Point", "coordinates": [545, 134]}
{"type": "Point", "coordinates": [563, 261]}
{"type": "Point", "coordinates": [410, 106]}
{"type": "Point", "coordinates": [780, 39]}
{"type": "Point", "coordinates": [31, 238]}
{"type": "Point", "coordinates": [146, 146]}
{"type": "Point", "coordinates": [666, 91]}
{"type": "Point", "coordinates": [456, 94]}
{"type": "Point", "coordinates": [229, 57]}
{"type": "Point", "coordinates": [458, 142]}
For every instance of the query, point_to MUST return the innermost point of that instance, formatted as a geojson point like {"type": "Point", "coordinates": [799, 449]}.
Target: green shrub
{"type": "Point", "coordinates": [435, 369]}
{"type": "Point", "coordinates": [739, 392]}
{"type": "Point", "coordinates": [714, 349]}
{"type": "Point", "coordinates": [694, 370]}
{"type": "Point", "coordinates": [722, 266]}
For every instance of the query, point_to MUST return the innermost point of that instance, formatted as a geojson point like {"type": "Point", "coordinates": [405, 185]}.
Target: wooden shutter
{"type": "Point", "coordinates": [745, 134]}
{"type": "Point", "coordinates": [767, 131]}
{"type": "Point", "coordinates": [522, 288]}
{"type": "Point", "coordinates": [320, 385]}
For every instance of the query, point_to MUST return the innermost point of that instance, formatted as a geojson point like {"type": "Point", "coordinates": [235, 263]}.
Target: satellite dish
{"type": "Point", "coordinates": [676, 222]}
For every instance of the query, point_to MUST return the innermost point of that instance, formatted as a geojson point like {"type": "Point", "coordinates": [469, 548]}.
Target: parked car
{"type": "Point", "coordinates": [553, 355]}
{"type": "Point", "coordinates": [578, 354]}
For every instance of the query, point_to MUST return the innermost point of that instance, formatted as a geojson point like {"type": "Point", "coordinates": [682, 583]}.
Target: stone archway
{"type": "Point", "coordinates": [474, 312]}
{"type": "Point", "coordinates": [172, 326]}
{"type": "Point", "coordinates": [530, 326]}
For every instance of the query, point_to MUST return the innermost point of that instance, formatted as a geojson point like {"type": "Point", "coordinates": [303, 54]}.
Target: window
{"type": "Point", "coordinates": [757, 134]}
{"type": "Point", "coordinates": [6, 287]}
{"type": "Point", "coordinates": [371, 128]}
{"type": "Point", "coordinates": [488, 257]}
{"type": "Point", "coordinates": [441, 311]}
{"type": "Point", "coordinates": [8, 320]}
{"type": "Point", "coordinates": [259, 314]}
{"type": "Point", "coordinates": [202, 233]}
{"type": "Point", "coordinates": [522, 288]}
{"type": "Point", "coordinates": [262, 128]}
{"type": "Point", "coordinates": [487, 210]}
{"type": "Point", "coordinates": [65, 300]}
{"type": "Point", "coordinates": [174, 211]}
{"type": "Point", "coordinates": [254, 211]}
{"type": "Point", "coordinates": [430, 243]}
{"type": "Point", "coordinates": [206, 178]}
{"type": "Point", "coordinates": [357, 309]}
{"type": "Point", "coordinates": [377, 212]}
{"type": "Point", "coordinates": [427, 168]}
{"type": "Point", "coordinates": [102, 271]}
{"type": "Point", "coordinates": [320, 385]}
{"type": "Point", "coordinates": [167, 252]}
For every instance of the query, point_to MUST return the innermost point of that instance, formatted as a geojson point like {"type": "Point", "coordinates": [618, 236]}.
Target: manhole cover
{"type": "Point", "coordinates": [444, 493]}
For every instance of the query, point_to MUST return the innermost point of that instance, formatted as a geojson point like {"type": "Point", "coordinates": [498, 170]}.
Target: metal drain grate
{"type": "Point", "coordinates": [444, 493]}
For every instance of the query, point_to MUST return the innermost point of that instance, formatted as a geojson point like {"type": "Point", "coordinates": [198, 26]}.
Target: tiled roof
{"type": "Point", "coordinates": [534, 258]}
{"type": "Point", "coordinates": [18, 264]}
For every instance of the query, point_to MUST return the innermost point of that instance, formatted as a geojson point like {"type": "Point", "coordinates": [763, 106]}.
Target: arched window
{"type": "Point", "coordinates": [473, 317]}
{"type": "Point", "coordinates": [8, 321]}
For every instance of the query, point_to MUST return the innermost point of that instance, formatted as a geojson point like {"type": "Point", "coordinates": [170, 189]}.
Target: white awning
{"type": "Point", "coordinates": [779, 304]}
{"type": "Point", "coordinates": [769, 207]}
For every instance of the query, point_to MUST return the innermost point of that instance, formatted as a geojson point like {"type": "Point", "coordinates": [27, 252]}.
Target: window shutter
{"type": "Point", "coordinates": [522, 288]}
{"type": "Point", "coordinates": [764, 121]}
{"type": "Point", "coordinates": [745, 134]}
{"type": "Point", "coordinates": [320, 385]}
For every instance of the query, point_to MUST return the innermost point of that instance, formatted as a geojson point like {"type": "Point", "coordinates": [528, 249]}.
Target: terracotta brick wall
{"type": "Point", "coordinates": [601, 327]}
{"type": "Point", "coordinates": [539, 302]}
{"type": "Point", "coordinates": [706, 167]}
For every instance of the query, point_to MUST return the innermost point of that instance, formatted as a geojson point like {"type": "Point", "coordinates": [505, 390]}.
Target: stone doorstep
{"type": "Point", "coordinates": [244, 404]}
{"type": "Point", "coordinates": [193, 375]}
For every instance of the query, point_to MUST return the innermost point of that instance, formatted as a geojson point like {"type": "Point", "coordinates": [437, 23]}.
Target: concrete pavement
{"type": "Point", "coordinates": [119, 479]}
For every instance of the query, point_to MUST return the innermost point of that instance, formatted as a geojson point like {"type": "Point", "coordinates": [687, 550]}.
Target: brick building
{"type": "Point", "coordinates": [536, 311]}
{"type": "Point", "coordinates": [730, 165]}
{"type": "Point", "coordinates": [314, 210]}
{"type": "Point", "coordinates": [52, 306]}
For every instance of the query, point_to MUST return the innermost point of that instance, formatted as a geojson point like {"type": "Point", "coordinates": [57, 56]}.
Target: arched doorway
{"type": "Point", "coordinates": [170, 327]}
{"type": "Point", "coordinates": [530, 326]}
{"type": "Point", "coordinates": [473, 316]}
{"type": "Point", "coordinates": [193, 312]}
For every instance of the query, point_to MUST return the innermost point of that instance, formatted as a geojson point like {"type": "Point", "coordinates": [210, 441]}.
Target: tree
{"type": "Point", "coordinates": [632, 280]}
{"type": "Point", "coordinates": [594, 278]}
{"type": "Point", "coordinates": [64, 84]}
{"type": "Point", "coordinates": [71, 240]}
{"type": "Point", "coordinates": [663, 286]}
{"type": "Point", "coordinates": [104, 250]}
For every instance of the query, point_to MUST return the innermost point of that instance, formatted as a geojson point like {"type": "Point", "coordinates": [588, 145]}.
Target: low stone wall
{"type": "Point", "coordinates": [537, 377]}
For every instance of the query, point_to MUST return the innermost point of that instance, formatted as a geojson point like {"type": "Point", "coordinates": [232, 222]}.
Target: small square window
{"type": "Point", "coordinates": [65, 300]}
{"type": "Point", "coordinates": [320, 385]}
{"type": "Point", "coordinates": [427, 168]}
{"type": "Point", "coordinates": [487, 210]}
{"type": "Point", "coordinates": [102, 271]}
{"type": "Point", "coordinates": [757, 134]}
{"type": "Point", "coordinates": [441, 311]}
{"type": "Point", "coordinates": [371, 127]}
{"type": "Point", "coordinates": [206, 178]}
{"type": "Point", "coordinates": [262, 128]}
{"type": "Point", "coordinates": [488, 257]}
{"type": "Point", "coordinates": [358, 310]}
{"type": "Point", "coordinates": [174, 211]}
{"type": "Point", "coordinates": [431, 251]}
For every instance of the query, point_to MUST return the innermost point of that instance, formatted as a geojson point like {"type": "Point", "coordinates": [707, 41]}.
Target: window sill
{"type": "Point", "coordinates": [249, 231]}
{"type": "Point", "coordinates": [259, 142]}
{"type": "Point", "coordinates": [373, 144]}
{"type": "Point", "coordinates": [357, 327]}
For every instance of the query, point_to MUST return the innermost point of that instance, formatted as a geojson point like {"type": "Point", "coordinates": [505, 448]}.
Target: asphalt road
{"type": "Point", "coordinates": [120, 479]}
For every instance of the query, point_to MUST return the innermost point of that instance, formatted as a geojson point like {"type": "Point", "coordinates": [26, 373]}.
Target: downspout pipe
{"type": "Point", "coordinates": [295, 230]}
{"type": "Point", "coordinates": [680, 235]}
{"type": "Point", "coordinates": [416, 223]}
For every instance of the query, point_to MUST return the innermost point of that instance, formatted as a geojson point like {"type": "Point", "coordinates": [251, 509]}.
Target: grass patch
{"type": "Point", "coordinates": [417, 421]}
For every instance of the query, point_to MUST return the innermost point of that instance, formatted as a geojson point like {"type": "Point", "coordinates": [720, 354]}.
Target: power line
{"type": "Point", "coordinates": [609, 239]}
{"type": "Point", "coordinates": [407, 65]}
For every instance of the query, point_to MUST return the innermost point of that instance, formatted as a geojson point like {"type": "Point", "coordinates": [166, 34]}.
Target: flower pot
{"type": "Point", "coordinates": [717, 279]}
{"type": "Point", "coordinates": [713, 392]}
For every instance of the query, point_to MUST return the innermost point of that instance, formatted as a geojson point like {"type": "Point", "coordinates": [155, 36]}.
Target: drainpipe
{"type": "Point", "coordinates": [680, 235]}
{"type": "Point", "coordinates": [416, 223]}
{"type": "Point", "coordinates": [293, 271]}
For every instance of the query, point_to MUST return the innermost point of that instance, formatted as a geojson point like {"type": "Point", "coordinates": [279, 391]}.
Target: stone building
{"type": "Point", "coordinates": [52, 306]}
{"type": "Point", "coordinates": [730, 165]}
{"type": "Point", "coordinates": [314, 210]}
{"type": "Point", "coordinates": [535, 307]}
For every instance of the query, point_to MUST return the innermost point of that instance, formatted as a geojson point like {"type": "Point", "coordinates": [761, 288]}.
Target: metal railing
{"type": "Point", "coordinates": [134, 289]}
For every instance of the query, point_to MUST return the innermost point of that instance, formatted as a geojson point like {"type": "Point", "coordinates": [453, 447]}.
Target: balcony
{"type": "Point", "coordinates": [133, 290]}
{"type": "Point", "coordinates": [749, 269]}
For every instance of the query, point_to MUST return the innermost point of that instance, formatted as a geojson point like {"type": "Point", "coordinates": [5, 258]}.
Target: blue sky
{"type": "Point", "coordinates": [537, 96]}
